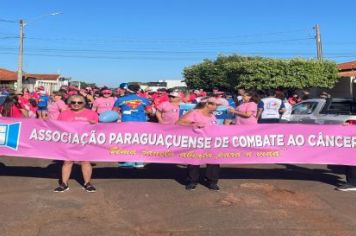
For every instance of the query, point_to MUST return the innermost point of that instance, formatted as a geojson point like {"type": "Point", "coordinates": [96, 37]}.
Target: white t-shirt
{"type": "Point", "coordinates": [271, 107]}
{"type": "Point", "coordinates": [286, 115]}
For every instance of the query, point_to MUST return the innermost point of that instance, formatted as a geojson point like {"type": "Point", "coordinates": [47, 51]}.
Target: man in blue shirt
{"type": "Point", "coordinates": [132, 109]}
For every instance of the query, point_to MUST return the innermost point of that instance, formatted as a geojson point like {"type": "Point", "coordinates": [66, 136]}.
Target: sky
{"type": "Point", "coordinates": [108, 42]}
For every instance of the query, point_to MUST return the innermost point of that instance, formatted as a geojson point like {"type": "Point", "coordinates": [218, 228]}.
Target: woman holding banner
{"type": "Point", "coordinates": [168, 112]}
{"type": "Point", "coordinates": [246, 113]}
{"type": "Point", "coordinates": [200, 117]}
{"type": "Point", "coordinates": [56, 106]}
{"type": "Point", "coordinates": [77, 112]}
{"type": "Point", "coordinates": [105, 102]}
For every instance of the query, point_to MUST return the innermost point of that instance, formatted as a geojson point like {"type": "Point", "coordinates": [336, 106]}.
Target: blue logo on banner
{"type": "Point", "coordinates": [9, 135]}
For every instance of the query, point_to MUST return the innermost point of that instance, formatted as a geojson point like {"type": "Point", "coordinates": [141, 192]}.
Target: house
{"type": "Point", "coordinates": [346, 86]}
{"type": "Point", "coordinates": [51, 82]}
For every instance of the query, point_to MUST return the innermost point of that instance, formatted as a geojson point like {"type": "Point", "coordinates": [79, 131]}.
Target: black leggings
{"type": "Point", "coordinates": [211, 173]}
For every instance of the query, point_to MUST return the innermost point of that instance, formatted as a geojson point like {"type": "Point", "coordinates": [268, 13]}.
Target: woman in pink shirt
{"type": "Point", "coordinates": [56, 106]}
{"type": "Point", "coordinates": [246, 113]}
{"type": "Point", "coordinates": [200, 117]}
{"type": "Point", "coordinates": [77, 113]}
{"type": "Point", "coordinates": [168, 112]}
{"type": "Point", "coordinates": [105, 102]}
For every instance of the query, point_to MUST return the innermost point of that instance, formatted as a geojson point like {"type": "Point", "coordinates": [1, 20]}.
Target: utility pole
{"type": "Point", "coordinates": [20, 62]}
{"type": "Point", "coordinates": [319, 47]}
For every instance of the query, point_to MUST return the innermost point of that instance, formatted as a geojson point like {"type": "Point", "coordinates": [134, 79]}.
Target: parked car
{"type": "Point", "coordinates": [324, 111]}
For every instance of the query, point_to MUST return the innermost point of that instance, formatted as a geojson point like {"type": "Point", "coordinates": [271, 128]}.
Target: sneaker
{"type": "Point", "coordinates": [346, 187]}
{"type": "Point", "coordinates": [191, 186]}
{"type": "Point", "coordinates": [89, 188]}
{"type": "Point", "coordinates": [127, 164]}
{"type": "Point", "coordinates": [139, 165]}
{"type": "Point", "coordinates": [213, 187]}
{"type": "Point", "coordinates": [181, 166]}
{"type": "Point", "coordinates": [61, 188]}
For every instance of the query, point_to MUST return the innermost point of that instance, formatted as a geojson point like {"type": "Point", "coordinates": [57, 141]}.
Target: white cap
{"type": "Point", "coordinates": [174, 94]}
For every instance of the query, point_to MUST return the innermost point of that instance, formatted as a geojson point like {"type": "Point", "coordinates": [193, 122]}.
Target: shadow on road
{"type": "Point", "coordinates": [176, 172]}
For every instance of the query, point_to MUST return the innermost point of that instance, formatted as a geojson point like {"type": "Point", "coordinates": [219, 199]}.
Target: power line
{"type": "Point", "coordinates": [7, 21]}
{"type": "Point", "coordinates": [261, 34]}
{"type": "Point", "coordinates": [105, 57]}
{"type": "Point", "coordinates": [172, 41]}
{"type": "Point", "coordinates": [9, 37]}
{"type": "Point", "coordinates": [95, 51]}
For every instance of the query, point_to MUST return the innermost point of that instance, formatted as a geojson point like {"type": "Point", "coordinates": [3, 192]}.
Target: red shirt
{"type": "Point", "coordinates": [162, 98]}
{"type": "Point", "coordinates": [15, 112]}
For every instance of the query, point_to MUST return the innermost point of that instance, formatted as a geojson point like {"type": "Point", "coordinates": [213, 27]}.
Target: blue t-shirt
{"type": "Point", "coordinates": [221, 114]}
{"type": "Point", "coordinates": [132, 108]}
{"type": "Point", "coordinates": [43, 101]}
{"type": "Point", "coordinates": [185, 107]}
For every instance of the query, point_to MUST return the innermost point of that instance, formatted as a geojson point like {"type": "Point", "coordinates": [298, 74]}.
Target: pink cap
{"type": "Point", "coordinates": [216, 92]}
{"type": "Point", "coordinates": [209, 99]}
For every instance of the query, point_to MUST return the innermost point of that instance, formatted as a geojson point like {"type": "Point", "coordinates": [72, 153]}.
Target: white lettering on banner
{"type": "Point", "coordinates": [119, 138]}
{"type": "Point", "coordinates": [258, 140]}
{"type": "Point", "coordinates": [332, 141]}
{"type": "Point", "coordinates": [160, 140]}
{"type": "Point", "coordinates": [196, 142]}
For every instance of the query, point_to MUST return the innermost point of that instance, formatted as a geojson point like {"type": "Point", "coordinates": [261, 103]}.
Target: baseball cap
{"type": "Point", "coordinates": [124, 86]}
{"type": "Point", "coordinates": [72, 87]}
{"type": "Point", "coordinates": [209, 99]}
{"type": "Point", "coordinates": [174, 94]}
{"type": "Point", "coordinates": [217, 92]}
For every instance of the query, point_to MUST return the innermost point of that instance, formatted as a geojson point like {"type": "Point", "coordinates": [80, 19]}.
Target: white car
{"type": "Point", "coordinates": [324, 111]}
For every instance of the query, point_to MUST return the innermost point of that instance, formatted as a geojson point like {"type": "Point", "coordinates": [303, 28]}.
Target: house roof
{"type": "Point", "coordinates": [347, 73]}
{"type": "Point", "coordinates": [42, 76]}
{"type": "Point", "coordinates": [347, 66]}
{"type": "Point", "coordinates": [8, 75]}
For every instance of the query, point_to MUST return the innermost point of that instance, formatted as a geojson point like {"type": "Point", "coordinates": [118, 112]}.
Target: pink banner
{"type": "Point", "coordinates": [155, 143]}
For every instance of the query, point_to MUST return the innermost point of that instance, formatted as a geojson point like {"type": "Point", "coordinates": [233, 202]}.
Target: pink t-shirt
{"type": "Point", "coordinates": [102, 104]}
{"type": "Point", "coordinates": [55, 108]}
{"type": "Point", "coordinates": [247, 107]}
{"type": "Point", "coordinates": [85, 115]}
{"type": "Point", "coordinates": [222, 102]}
{"type": "Point", "coordinates": [170, 113]}
{"type": "Point", "coordinates": [197, 117]}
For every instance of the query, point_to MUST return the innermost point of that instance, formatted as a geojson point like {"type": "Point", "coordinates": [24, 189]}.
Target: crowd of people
{"type": "Point", "coordinates": [163, 106]}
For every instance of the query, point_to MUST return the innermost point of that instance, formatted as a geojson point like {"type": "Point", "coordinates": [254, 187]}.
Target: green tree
{"type": "Point", "coordinates": [229, 72]}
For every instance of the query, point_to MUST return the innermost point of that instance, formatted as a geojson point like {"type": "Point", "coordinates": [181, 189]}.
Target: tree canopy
{"type": "Point", "coordinates": [229, 72]}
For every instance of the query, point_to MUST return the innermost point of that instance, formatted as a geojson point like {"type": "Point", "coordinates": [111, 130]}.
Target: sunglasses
{"type": "Point", "coordinates": [107, 93]}
{"type": "Point", "coordinates": [75, 102]}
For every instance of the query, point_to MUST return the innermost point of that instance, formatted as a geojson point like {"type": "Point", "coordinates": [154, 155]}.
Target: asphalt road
{"type": "Point", "coordinates": [253, 200]}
